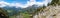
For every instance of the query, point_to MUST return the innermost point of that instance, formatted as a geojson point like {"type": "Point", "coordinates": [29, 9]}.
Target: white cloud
{"type": "Point", "coordinates": [2, 4]}
{"type": "Point", "coordinates": [29, 3]}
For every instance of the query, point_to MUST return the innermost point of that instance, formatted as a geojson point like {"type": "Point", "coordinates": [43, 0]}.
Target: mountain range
{"type": "Point", "coordinates": [30, 9]}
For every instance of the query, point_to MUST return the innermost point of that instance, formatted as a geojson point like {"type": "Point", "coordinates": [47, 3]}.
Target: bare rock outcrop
{"type": "Point", "coordinates": [49, 12]}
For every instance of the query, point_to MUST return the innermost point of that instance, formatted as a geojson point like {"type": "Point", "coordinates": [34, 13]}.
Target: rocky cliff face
{"type": "Point", "coordinates": [49, 12]}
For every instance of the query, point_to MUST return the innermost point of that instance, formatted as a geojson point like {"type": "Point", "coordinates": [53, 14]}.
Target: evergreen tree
{"type": "Point", "coordinates": [54, 2]}
{"type": "Point", "coordinates": [3, 13]}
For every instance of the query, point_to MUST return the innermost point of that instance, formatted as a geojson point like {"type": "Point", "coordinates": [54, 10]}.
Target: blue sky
{"type": "Point", "coordinates": [22, 3]}
{"type": "Point", "coordinates": [9, 1]}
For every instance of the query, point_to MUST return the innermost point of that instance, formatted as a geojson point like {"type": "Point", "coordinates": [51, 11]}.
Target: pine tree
{"type": "Point", "coordinates": [4, 13]}
{"type": "Point", "coordinates": [54, 2]}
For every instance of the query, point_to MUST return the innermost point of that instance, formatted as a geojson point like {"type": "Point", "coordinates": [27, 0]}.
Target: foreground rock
{"type": "Point", "coordinates": [49, 12]}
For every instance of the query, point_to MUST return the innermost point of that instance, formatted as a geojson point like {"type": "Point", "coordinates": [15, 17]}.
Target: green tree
{"type": "Point", "coordinates": [4, 12]}
{"type": "Point", "coordinates": [54, 2]}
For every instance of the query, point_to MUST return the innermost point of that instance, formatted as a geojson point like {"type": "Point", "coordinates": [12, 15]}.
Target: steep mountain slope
{"type": "Point", "coordinates": [49, 12]}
